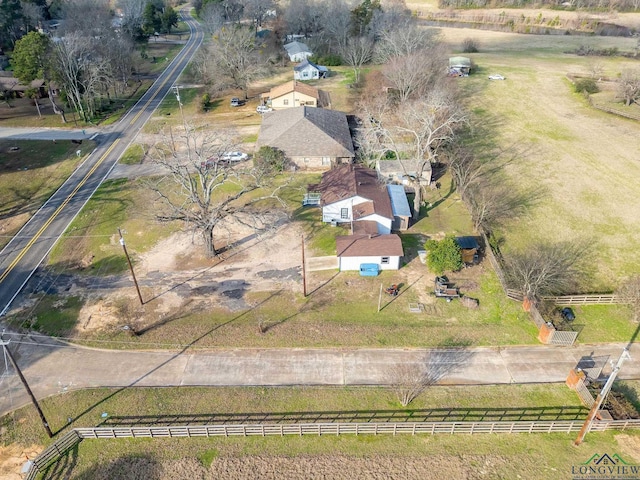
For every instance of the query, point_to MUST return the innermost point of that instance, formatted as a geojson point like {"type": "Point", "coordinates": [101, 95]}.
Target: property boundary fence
{"type": "Point", "coordinates": [56, 450]}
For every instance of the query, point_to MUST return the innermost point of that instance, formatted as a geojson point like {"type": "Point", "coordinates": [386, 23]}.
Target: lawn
{"type": "Point", "coordinates": [91, 243]}
{"type": "Point", "coordinates": [30, 172]}
{"type": "Point", "coordinates": [536, 456]}
{"type": "Point", "coordinates": [577, 157]}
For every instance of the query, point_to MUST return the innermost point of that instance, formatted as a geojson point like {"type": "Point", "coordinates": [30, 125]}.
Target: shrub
{"type": "Point", "coordinates": [587, 85]}
{"type": "Point", "coordinates": [205, 103]}
{"type": "Point", "coordinates": [330, 60]}
{"type": "Point", "coordinates": [443, 255]}
{"type": "Point", "coordinates": [270, 159]}
{"type": "Point", "coordinates": [470, 45]}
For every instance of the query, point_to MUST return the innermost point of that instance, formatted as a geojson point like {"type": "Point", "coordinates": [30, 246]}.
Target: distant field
{"type": "Point", "coordinates": [582, 160]}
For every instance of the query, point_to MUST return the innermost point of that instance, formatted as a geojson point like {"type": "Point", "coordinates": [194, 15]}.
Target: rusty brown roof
{"type": "Point", "coordinates": [346, 181]}
{"type": "Point", "coordinates": [388, 245]}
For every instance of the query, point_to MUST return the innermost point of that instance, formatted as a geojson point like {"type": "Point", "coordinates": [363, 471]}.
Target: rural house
{"type": "Point", "coordinates": [356, 250]}
{"type": "Point", "coordinates": [312, 138]}
{"type": "Point", "coordinates": [297, 51]}
{"type": "Point", "coordinates": [295, 94]}
{"type": "Point", "coordinates": [353, 194]}
{"type": "Point", "coordinates": [309, 71]}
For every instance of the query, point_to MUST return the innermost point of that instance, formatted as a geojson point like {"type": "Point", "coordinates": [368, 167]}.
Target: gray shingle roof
{"type": "Point", "coordinates": [304, 64]}
{"type": "Point", "coordinates": [307, 131]}
{"type": "Point", "coordinates": [296, 47]}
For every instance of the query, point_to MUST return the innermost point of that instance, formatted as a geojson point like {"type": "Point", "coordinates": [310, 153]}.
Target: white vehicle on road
{"type": "Point", "coordinates": [263, 109]}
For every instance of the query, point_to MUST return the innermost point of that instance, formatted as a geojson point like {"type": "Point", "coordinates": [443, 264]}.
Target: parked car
{"type": "Point", "coordinates": [567, 314]}
{"type": "Point", "coordinates": [263, 109]}
{"type": "Point", "coordinates": [235, 102]}
{"type": "Point", "coordinates": [496, 76]}
{"type": "Point", "coordinates": [232, 157]}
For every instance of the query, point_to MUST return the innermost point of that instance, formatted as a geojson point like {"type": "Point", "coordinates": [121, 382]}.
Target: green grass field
{"type": "Point", "coordinates": [577, 156]}
{"type": "Point", "coordinates": [538, 456]}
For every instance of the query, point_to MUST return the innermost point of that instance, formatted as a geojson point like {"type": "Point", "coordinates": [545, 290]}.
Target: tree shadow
{"type": "Point", "coordinates": [443, 414]}
{"type": "Point", "coordinates": [162, 364]}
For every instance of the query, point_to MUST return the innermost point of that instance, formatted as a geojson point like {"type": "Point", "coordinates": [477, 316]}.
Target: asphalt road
{"type": "Point", "coordinates": [53, 368]}
{"type": "Point", "coordinates": [20, 258]}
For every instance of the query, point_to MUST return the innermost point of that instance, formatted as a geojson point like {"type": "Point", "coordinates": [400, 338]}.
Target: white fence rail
{"type": "Point", "coordinates": [71, 439]}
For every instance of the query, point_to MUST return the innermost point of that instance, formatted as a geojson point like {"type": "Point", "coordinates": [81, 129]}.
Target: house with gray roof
{"type": "Point", "coordinates": [309, 71]}
{"type": "Point", "coordinates": [312, 138]}
{"type": "Point", "coordinates": [297, 51]}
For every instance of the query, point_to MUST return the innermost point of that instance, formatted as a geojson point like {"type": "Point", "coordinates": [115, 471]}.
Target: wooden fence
{"type": "Point", "coordinates": [589, 299]}
{"type": "Point", "coordinates": [55, 451]}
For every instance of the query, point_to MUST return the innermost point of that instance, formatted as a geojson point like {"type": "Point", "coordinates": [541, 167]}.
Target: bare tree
{"type": "Point", "coordinates": [304, 17]}
{"type": "Point", "coordinates": [495, 201]}
{"type": "Point", "coordinates": [212, 17]}
{"type": "Point", "coordinates": [545, 268]}
{"type": "Point", "coordinates": [402, 39]}
{"type": "Point", "coordinates": [207, 194]}
{"type": "Point", "coordinates": [414, 130]}
{"type": "Point", "coordinates": [257, 10]}
{"type": "Point", "coordinates": [357, 52]}
{"type": "Point", "coordinates": [629, 86]}
{"type": "Point", "coordinates": [132, 16]}
{"type": "Point", "coordinates": [409, 379]}
{"type": "Point", "coordinates": [237, 57]}
{"type": "Point", "coordinates": [335, 24]}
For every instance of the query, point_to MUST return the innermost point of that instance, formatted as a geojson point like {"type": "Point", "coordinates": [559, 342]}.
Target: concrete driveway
{"type": "Point", "coordinates": [52, 367]}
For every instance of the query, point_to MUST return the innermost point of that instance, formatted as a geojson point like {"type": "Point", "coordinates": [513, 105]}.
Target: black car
{"type": "Point", "coordinates": [567, 314]}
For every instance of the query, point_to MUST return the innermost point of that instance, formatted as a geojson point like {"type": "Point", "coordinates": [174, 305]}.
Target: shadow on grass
{"type": "Point", "coordinates": [169, 360]}
{"type": "Point", "coordinates": [514, 414]}
{"type": "Point", "coordinates": [401, 292]}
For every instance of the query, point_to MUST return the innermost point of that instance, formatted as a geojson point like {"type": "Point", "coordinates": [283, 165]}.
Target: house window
{"type": "Point", "coordinates": [305, 74]}
{"type": "Point", "coordinates": [326, 160]}
{"type": "Point", "coordinates": [285, 101]}
{"type": "Point", "coordinates": [384, 261]}
{"type": "Point", "coordinates": [344, 213]}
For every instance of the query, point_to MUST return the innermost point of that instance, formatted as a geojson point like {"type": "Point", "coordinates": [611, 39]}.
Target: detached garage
{"type": "Point", "coordinates": [356, 250]}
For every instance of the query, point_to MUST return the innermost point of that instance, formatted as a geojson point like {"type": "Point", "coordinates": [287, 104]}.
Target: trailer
{"type": "Point", "coordinates": [445, 289]}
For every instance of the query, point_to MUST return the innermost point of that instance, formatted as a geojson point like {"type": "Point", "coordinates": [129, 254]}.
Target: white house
{"type": "Point", "coordinates": [297, 51]}
{"type": "Point", "coordinates": [384, 250]}
{"type": "Point", "coordinates": [352, 194]}
{"type": "Point", "coordinates": [309, 71]}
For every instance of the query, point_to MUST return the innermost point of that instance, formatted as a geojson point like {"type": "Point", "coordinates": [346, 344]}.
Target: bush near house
{"type": "Point", "coordinates": [443, 255]}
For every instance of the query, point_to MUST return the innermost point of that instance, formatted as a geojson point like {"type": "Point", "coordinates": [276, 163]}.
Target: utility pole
{"type": "Point", "coordinates": [126, 254]}
{"type": "Point", "coordinates": [601, 396]}
{"type": "Point", "coordinates": [7, 353]}
{"type": "Point", "coordinates": [304, 271]}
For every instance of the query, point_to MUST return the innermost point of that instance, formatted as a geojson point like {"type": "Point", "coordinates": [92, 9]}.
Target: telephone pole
{"type": "Point", "coordinates": [601, 396]}
{"type": "Point", "coordinates": [304, 271]}
{"type": "Point", "coordinates": [8, 354]}
{"type": "Point", "coordinates": [126, 254]}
